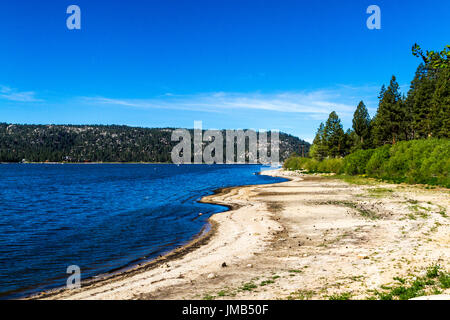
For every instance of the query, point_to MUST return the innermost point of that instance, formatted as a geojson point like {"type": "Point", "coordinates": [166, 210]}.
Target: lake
{"type": "Point", "coordinates": [101, 217]}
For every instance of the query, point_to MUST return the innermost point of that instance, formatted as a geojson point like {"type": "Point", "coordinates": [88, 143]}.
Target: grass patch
{"type": "Point", "coordinates": [353, 205]}
{"type": "Point", "coordinates": [444, 280]}
{"type": "Point", "coordinates": [380, 192]}
{"type": "Point", "coordinates": [356, 278]}
{"type": "Point", "coordinates": [249, 286]}
{"type": "Point", "coordinates": [411, 216]}
{"type": "Point", "coordinates": [221, 293]}
{"type": "Point", "coordinates": [443, 211]}
{"type": "Point", "coordinates": [401, 280]}
{"type": "Point", "coordinates": [420, 210]}
{"type": "Point", "coordinates": [266, 282]}
{"type": "Point", "coordinates": [342, 296]}
{"type": "Point", "coordinates": [357, 180]}
{"type": "Point", "coordinates": [301, 295]}
{"type": "Point", "coordinates": [295, 271]}
{"type": "Point", "coordinates": [434, 279]}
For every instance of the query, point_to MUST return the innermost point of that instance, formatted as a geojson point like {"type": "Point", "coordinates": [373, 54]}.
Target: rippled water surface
{"type": "Point", "coordinates": [100, 217]}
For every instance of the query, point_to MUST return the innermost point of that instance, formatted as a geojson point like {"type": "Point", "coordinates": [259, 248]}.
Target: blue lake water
{"type": "Point", "coordinates": [100, 217]}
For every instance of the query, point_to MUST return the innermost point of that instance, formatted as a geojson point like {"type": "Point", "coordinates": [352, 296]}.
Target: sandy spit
{"type": "Point", "coordinates": [307, 238]}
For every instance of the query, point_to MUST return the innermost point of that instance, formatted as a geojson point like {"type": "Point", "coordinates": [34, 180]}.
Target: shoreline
{"type": "Point", "coordinates": [198, 240]}
{"type": "Point", "coordinates": [143, 264]}
{"type": "Point", "coordinates": [290, 233]}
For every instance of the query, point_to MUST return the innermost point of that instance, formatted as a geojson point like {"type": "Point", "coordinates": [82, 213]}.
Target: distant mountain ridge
{"type": "Point", "coordinates": [101, 143]}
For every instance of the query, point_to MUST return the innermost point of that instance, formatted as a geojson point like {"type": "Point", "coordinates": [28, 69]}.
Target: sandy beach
{"type": "Point", "coordinates": [308, 238]}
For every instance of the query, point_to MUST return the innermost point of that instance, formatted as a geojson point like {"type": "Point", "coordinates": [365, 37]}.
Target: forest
{"type": "Point", "coordinates": [100, 143]}
{"type": "Point", "coordinates": [406, 141]}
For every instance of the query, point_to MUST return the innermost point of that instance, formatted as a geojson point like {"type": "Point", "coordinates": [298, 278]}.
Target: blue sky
{"type": "Point", "coordinates": [231, 64]}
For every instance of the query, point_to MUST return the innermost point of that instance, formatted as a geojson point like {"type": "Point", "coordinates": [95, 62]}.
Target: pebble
{"type": "Point", "coordinates": [249, 265]}
{"type": "Point", "coordinates": [211, 276]}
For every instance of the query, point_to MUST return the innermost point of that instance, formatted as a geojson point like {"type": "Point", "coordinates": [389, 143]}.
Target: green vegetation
{"type": "Point", "coordinates": [69, 143]}
{"type": "Point", "coordinates": [342, 296]}
{"type": "Point", "coordinates": [417, 161]}
{"type": "Point", "coordinates": [301, 295]}
{"type": "Point", "coordinates": [249, 286]}
{"type": "Point", "coordinates": [313, 165]}
{"type": "Point", "coordinates": [266, 282]}
{"type": "Point", "coordinates": [433, 282]}
{"type": "Point", "coordinates": [363, 211]}
{"type": "Point", "coordinates": [361, 126]}
{"type": "Point", "coordinates": [380, 192]}
{"type": "Point", "coordinates": [406, 141]}
{"type": "Point", "coordinates": [295, 271]}
{"type": "Point", "coordinates": [358, 180]}
{"type": "Point", "coordinates": [221, 293]}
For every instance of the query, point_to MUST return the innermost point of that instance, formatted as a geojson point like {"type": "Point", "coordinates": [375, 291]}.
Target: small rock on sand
{"type": "Point", "coordinates": [249, 265]}
{"type": "Point", "coordinates": [211, 276]}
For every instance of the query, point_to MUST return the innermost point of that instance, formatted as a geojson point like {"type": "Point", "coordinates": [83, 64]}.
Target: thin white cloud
{"type": "Point", "coordinates": [11, 94]}
{"type": "Point", "coordinates": [318, 103]}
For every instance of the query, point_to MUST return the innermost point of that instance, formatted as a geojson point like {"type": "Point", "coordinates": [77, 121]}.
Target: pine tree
{"type": "Point", "coordinates": [319, 148]}
{"type": "Point", "coordinates": [429, 95]}
{"type": "Point", "coordinates": [419, 101]}
{"type": "Point", "coordinates": [334, 136]}
{"type": "Point", "coordinates": [352, 142]}
{"type": "Point", "coordinates": [441, 105]}
{"type": "Point", "coordinates": [389, 121]}
{"type": "Point", "coordinates": [378, 135]}
{"type": "Point", "coordinates": [361, 123]}
{"type": "Point", "coordinates": [408, 128]}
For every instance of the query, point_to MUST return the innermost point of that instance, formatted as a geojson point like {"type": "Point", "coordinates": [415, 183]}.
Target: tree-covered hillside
{"type": "Point", "coordinates": [89, 143]}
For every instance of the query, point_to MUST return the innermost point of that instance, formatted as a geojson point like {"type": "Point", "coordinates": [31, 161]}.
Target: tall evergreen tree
{"type": "Point", "coordinates": [408, 129]}
{"type": "Point", "coordinates": [429, 94]}
{"type": "Point", "coordinates": [361, 123]}
{"type": "Point", "coordinates": [352, 142]}
{"type": "Point", "coordinates": [319, 148]}
{"type": "Point", "coordinates": [441, 104]}
{"type": "Point", "coordinates": [389, 121]}
{"type": "Point", "coordinates": [334, 136]}
{"type": "Point", "coordinates": [419, 101]}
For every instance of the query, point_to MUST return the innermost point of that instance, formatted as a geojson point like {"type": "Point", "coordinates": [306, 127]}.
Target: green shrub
{"type": "Point", "coordinates": [311, 165]}
{"type": "Point", "coordinates": [374, 166]}
{"type": "Point", "coordinates": [356, 162]}
{"type": "Point", "coordinates": [418, 161]}
{"type": "Point", "coordinates": [331, 165]}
